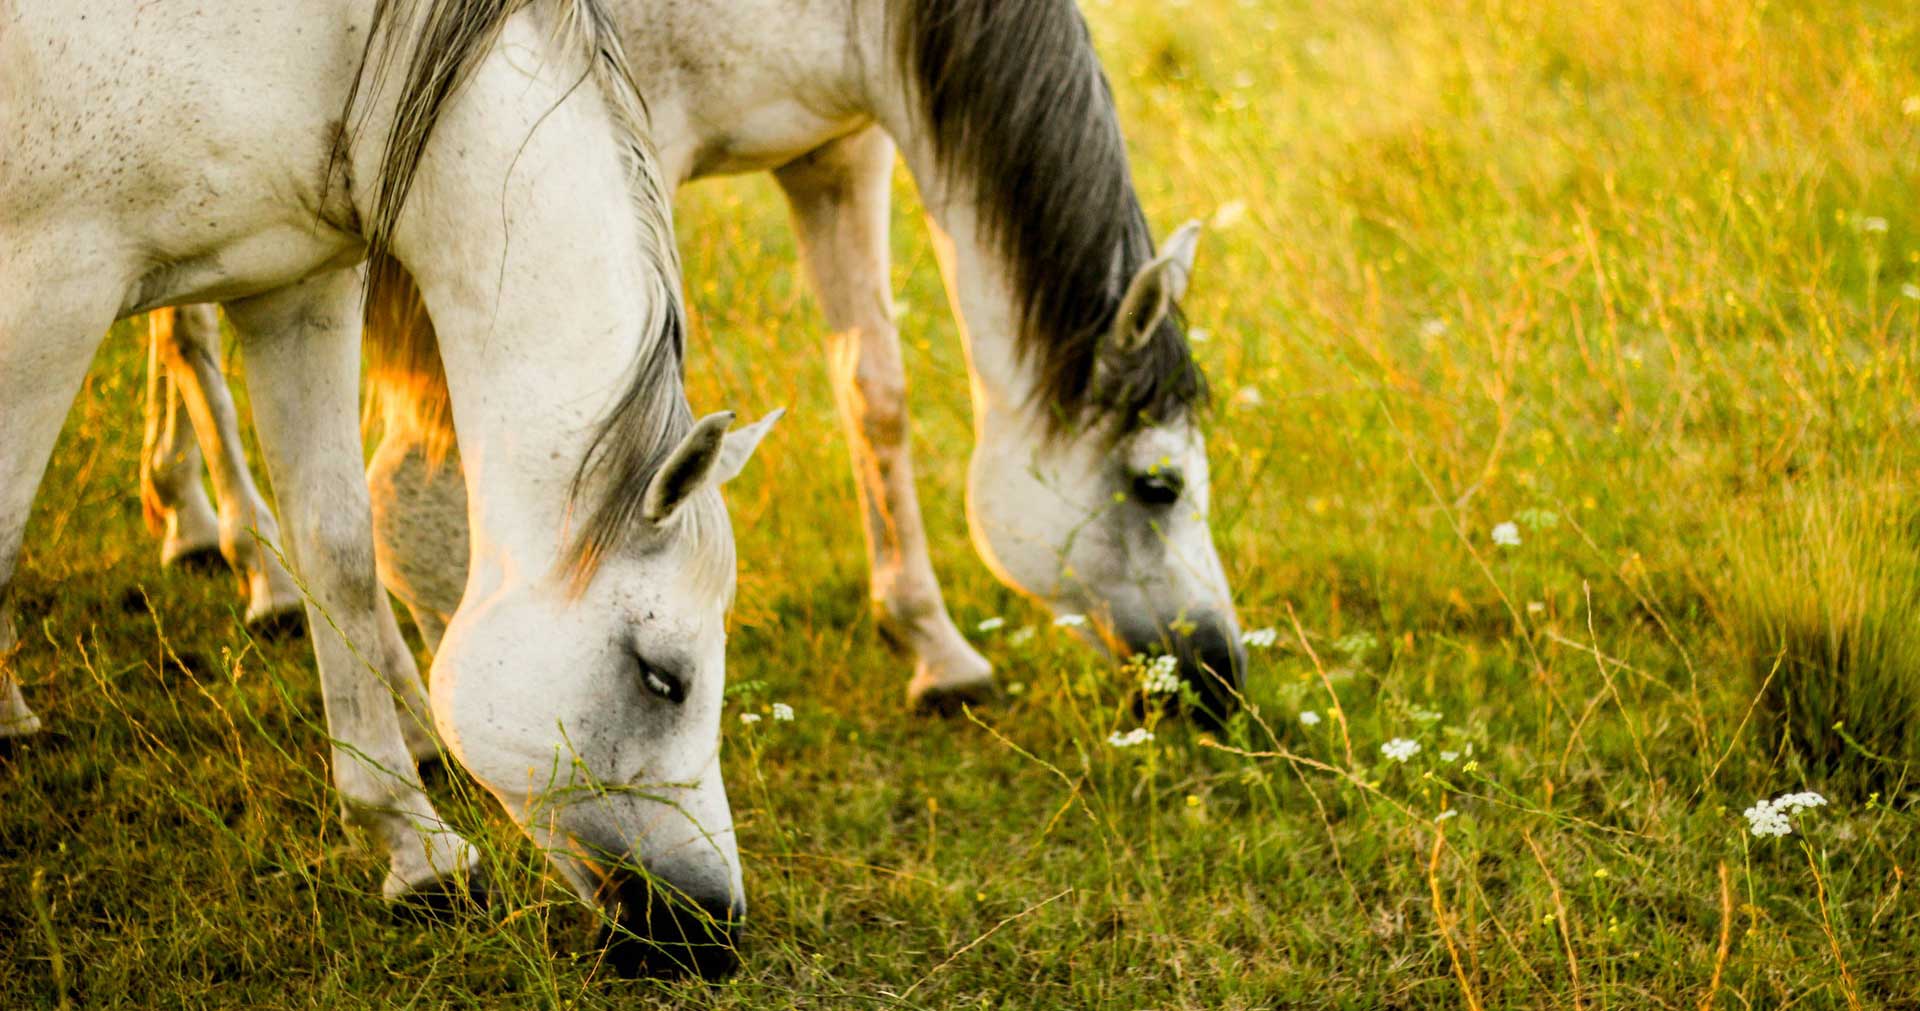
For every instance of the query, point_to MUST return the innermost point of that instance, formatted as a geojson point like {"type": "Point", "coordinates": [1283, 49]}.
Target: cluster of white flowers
{"type": "Point", "coordinates": [1507, 535]}
{"type": "Point", "coordinates": [1400, 749]}
{"type": "Point", "coordinates": [782, 713]}
{"type": "Point", "coordinates": [990, 624]}
{"type": "Point", "coordinates": [1770, 817]}
{"type": "Point", "coordinates": [1021, 636]}
{"type": "Point", "coordinates": [1160, 675]}
{"type": "Point", "coordinates": [1138, 735]}
{"type": "Point", "coordinates": [1877, 226]}
{"type": "Point", "coordinates": [1309, 718]}
{"type": "Point", "coordinates": [1910, 290]}
{"type": "Point", "coordinates": [1070, 621]}
{"type": "Point", "coordinates": [1259, 638]}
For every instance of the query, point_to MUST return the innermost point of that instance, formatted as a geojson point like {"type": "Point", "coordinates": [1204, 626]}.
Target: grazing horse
{"type": "Point", "coordinates": [1088, 487]}
{"type": "Point", "coordinates": [491, 151]}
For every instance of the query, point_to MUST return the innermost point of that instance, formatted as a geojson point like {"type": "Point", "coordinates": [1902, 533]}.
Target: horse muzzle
{"type": "Point", "coordinates": [661, 929]}
{"type": "Point", "coordinates": [1212, 661]}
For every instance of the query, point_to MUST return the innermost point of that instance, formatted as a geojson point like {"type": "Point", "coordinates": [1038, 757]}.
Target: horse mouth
{"type": "Point", "coordinates": [1209, 659]}
{"type": "Point", "coordinates": [657, 930]}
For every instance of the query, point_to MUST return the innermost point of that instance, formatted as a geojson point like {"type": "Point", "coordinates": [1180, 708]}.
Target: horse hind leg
{"type": "Point", "coordinates": [248, 534]}
{"type": "Point", "coordinates": [839, 197]}
{"type": "Point", "coordinates": [175, 503]}
{"type": "Point", "coordinates": [419, 529]}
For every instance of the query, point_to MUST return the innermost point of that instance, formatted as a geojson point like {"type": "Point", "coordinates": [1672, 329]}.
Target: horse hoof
{"type": "Point", "coordinates": [201, 560]}
{"type": "Point", "coordinates": [949, 699]}
{"type": "Point", "coordinates": [278, 626]}
{"type": "Point", "coordinates": [19, 731]}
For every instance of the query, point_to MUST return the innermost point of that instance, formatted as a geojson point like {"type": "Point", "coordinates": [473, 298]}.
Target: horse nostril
{"type": "Point", "coordinates": [664, 932]}
{"type": "Point", "coordinates": [1215, 663]}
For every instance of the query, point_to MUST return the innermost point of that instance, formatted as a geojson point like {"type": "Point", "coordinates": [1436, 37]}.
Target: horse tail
{"type": "Point", "coordinates": [407, 385]}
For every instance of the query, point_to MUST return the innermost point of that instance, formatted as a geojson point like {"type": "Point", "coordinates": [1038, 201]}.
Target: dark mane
{"type": "Point", "coordinates": [1022, 118]}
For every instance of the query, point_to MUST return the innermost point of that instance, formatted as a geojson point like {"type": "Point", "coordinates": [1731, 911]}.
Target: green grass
{"type": "Point", "coordinates": [1629, 275]}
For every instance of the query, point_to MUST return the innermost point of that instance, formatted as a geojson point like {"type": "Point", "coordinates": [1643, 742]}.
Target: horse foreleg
{"type": "Point", "coordinates": [190, 350]}
{"type": "Point", "coordinates": [175, 504]}
{"type": "Point", "coordinates": [303, 351]}
{"type": "Point", "coordinates": [839, 197]}
{"type": "Point", "coordinates": [48, 333]}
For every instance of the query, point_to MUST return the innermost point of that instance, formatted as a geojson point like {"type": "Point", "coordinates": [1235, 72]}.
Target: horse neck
{"type": "Point", "coordinates": [1004, 384]}
{"type": "Point", "coordinates": [974, 208]}
{"type": "Point", "coordinates": [543, 284]}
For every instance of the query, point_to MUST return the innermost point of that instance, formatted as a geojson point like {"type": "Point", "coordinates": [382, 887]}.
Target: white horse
{"type": "Point", "coordinates": [1088, 487]}
{"type": "Point", "coordinates": [165, 153]}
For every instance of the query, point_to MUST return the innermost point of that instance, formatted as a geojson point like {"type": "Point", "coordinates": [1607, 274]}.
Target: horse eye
{"type": "Point", "coordinates": [661, 683]}
{"type": "Point", "coordinates": [1159, 487]}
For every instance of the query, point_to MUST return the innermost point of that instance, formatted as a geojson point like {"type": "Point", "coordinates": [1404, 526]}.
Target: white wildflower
{"type": "Point", "coordinates": [1444, 815]}
{"type": "Point", "coordinates": [1400, 749]}
{"type": "Point", "coordinates": [1249, 396]}
{"type": "Point", "coordinates": [1070, 621]}
{"type": "Point", "coordinates": [1138, 735]}
{"type": "Point", "coordinates": [1309, 719]}
{"type": "Point", "coordinates": [1910, 290]}
{"type": "Point", "coordinates": [990, 624]}
{"type": "Point", "coordinates": [782, 713]}
{"type": "Point", "coordinates": [1259, 638]}
{"type": "Point", "coordinates": [749, 718]}
{"type": "Point", "coordinates": [1536, 607]}
{"type": "Point", "coordinates": [1426, 715]}
{"type": "Point", "coordinates": [1022, 636]}
{"type": "Point", "coordinates": [1160, 675]}
{"type": "Point", "coordinates": [1874, 225]}
{"type": "Point", "coordinates": [1434, 328]}
{"type": "Point", "coordinates": [1449, 756]}
{"type": "Point", "coordinates": [1772, 817]}
{"type": "Point", "coordinates": [1507, 535]}
{"type": "Point", "coordinates": [1199, 335]}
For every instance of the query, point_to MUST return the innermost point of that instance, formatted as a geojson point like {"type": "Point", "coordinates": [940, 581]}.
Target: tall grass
{"type": "Point", "coordinates": [1823, 589]}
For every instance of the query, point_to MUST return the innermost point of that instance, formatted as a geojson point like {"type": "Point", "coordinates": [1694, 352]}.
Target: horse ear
{"type": "Point", "coordinates": [687, 468]}
{"type": "Point", "coordinates": [738, 447]}
{"type": "Point", "coordinates": [1155, 289]}
{"type": "Point", "coordinates": [709, 455]}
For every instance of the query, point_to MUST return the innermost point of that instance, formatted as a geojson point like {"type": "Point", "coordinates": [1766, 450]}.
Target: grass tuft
{"type": "Point", "coordinates": [1823, 590]}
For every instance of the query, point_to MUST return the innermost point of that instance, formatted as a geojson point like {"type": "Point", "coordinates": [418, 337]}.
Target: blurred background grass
{"type": "Point", "coordinates": [1641, 279]}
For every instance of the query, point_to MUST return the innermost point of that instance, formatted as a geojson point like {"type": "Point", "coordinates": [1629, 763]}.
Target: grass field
{"type": "Point", "coordinates": [1642, 280]}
